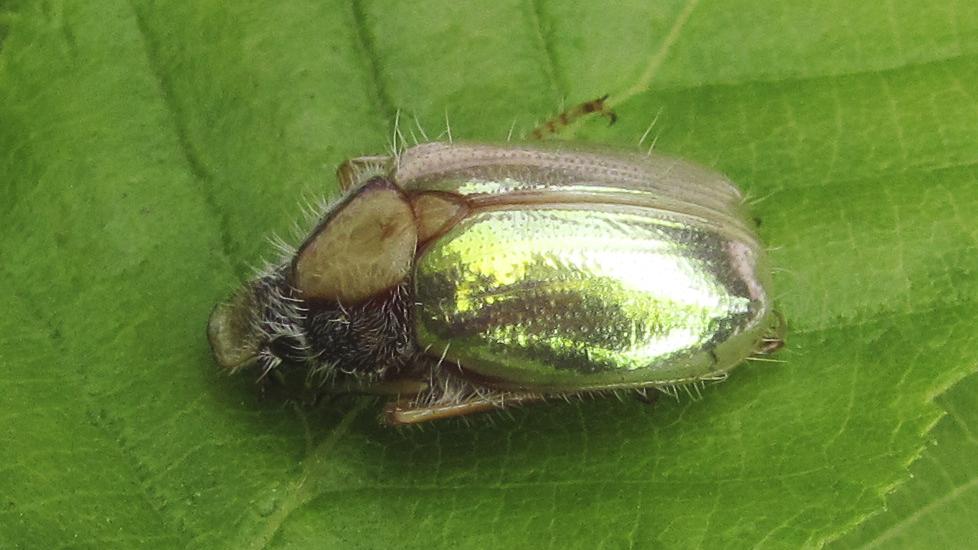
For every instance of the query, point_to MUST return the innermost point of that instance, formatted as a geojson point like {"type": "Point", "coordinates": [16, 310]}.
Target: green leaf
{"type": "Point", "coordinates": [146, 150]}
{"type": "Point", "coordinates": [937, 506]}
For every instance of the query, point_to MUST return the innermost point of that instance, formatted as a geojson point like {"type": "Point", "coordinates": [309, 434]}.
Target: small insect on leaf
{"type": "Point", "coordinates": [460, 278]}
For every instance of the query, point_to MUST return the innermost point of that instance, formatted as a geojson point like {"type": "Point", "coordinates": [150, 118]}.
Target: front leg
{"type": "Point", "coordinates": [358, 170]}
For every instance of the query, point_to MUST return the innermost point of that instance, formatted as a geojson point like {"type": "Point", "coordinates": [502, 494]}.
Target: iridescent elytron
{"type": "Point", "coordinates": [466, 277]}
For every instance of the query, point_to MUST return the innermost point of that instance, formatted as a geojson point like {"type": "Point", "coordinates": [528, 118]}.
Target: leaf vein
{"type": "Point", "coordinates": [305, 489]}
{"type": "Point", "coordinates": [195, 165]}
{"type": "Point", "coordinates": [365, 43]}
{"type": "Point", "coordinates": [551, 67]}
{"type": "Point", "coordinates": [655, 63]}
{"type": "Point", "coordinates": [923, 511]}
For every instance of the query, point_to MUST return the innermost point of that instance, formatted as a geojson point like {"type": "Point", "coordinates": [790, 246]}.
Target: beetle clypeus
{"type": "Point", "coordinates": [459, 278]}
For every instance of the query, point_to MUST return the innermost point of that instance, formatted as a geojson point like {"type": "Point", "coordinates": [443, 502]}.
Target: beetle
{"type": "Point", "coordinates": [465, 277]}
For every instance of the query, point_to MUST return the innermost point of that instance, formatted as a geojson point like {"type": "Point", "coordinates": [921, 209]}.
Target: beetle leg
{"type": "Point", "coordinates": [360, 169]}
{"type": "Point", "coordinates": [273, 380]}
{"type": "Point", "coordinates": [774, 340]}
{"type": "Point", "coordinates": [649, 396]}
{"type": "Point", "coordinates": [400, 387]}
{"type": "Point", "coordinates": [448, 394]}
{"type": "Point", "coordinates": [406, 411]}
{"type": "Point", "coordinates": [568, 117]}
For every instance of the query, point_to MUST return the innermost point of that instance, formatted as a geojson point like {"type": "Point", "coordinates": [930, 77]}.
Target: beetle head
{"type": "Point", "coordinates": [260, 325]}
{"type": "Point", "coordinates": [337, 304]}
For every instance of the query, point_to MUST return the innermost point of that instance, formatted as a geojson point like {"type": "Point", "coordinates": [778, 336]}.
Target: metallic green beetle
{"type": "Point", "coordinates": [468, 277]}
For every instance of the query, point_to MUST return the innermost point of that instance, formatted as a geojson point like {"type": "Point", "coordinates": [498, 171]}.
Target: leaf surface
{"type": "Point", "coordinates": [937, 506]}
{"type": "Point", "coordinates": [148, 149]}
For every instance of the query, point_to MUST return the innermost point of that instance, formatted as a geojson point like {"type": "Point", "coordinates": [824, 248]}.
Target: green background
{"type": "Point", "coordinates": [147, 149]}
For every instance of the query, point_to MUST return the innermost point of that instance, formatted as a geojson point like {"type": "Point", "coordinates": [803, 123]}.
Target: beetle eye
{"type": "Point", "coordinates": [287, 349]}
